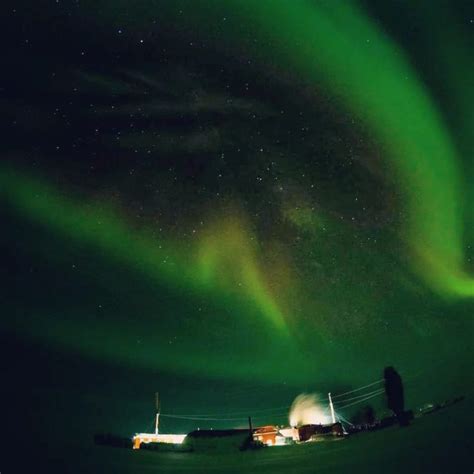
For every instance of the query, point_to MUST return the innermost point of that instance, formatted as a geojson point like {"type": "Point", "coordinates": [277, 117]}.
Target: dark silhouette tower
{"type": "Point", "coordinates": [395, 394]}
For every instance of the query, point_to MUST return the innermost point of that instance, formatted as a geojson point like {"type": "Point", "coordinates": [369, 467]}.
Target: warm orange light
{"type": "Point", "coordinates": [140, 438]}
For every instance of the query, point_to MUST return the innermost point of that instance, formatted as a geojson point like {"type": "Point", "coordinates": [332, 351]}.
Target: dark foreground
{"type": "Point", "coordinates": [436, 443]}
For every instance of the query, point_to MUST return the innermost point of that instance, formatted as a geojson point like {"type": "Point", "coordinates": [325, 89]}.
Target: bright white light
{"type": "Point", "coordinates": [160, 438]}
{"type": "Point", "coordinates": [307, 410]}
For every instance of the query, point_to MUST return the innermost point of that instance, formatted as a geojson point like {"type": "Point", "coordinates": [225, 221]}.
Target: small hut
{"type": "Point", "coordinates": [266, 434]}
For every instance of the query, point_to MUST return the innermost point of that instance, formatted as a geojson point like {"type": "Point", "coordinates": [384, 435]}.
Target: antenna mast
{"type": "Point", "coordinates": [157, 405]}
{"type": "Point", "coordinates": [333, 416]}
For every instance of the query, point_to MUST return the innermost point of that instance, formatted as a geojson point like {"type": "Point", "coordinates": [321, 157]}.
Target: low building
{"type": "Point", "coordinates": [217, 440]}
{"type": "Point", "coordinates": [266, 434]}
{"type": "Point", "coordinates": [310, 432]}
{"type": "Point", "coordinates": [291, 435]}
{"type": "Point", "coordinates": [274, 436]}
{"type": "Point", "coordinates": [140, 438]}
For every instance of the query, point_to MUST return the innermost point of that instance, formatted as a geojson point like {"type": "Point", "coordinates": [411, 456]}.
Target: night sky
{"type": "Point", "coordinates": [232, 203]}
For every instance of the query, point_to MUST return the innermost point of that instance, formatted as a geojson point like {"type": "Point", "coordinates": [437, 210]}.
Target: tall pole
{"type": "Point", "coordinates": [333, 416]}
{"type": "Point", "coordinates": [157, 405]}
{"type": "Point", "coordinates": [157, 421]}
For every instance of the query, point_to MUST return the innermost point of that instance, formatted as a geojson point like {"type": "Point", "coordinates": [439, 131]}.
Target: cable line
{"type": "Point", "coordinates": [358, 389]}
{"type": "Point", "coordinates": [243, 412]}
{"type": "Point", "coordinates": [360, 401]}
{"type": "Point", "coordinates": [201, 418]}
{"type": "Point", "coordinates": [197, 418]}
{"type": "Point", "coordinates": [342, 419]}
{"type": "Point", "coordinates": [379, 390]}
{"type": "Point", "coordinates": [254, 413]}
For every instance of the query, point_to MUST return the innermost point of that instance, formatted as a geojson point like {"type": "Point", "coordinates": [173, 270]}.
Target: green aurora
{"type": "Point", "coordinates": [342, 48]}
{"type": "Point", "coordinates": [229, 280]}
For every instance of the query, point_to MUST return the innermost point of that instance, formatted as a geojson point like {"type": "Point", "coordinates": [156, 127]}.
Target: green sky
{"type": "Point", "coordinates": [242, 191]}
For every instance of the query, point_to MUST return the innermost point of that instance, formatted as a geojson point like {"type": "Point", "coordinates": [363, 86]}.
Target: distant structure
{"type": "Point", "coordinates": [395, 394]}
